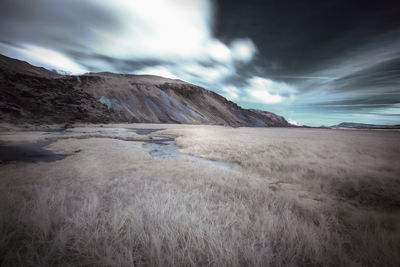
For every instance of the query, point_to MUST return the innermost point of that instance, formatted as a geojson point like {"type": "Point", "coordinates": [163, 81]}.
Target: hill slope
{"type": "Point", "coordinates": [32, 94]}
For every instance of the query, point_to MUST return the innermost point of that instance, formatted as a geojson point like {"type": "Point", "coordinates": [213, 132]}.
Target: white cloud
{"type": "Point", "coordinates": [230, 92]}
{"type": "Point", "coordinates": [162, 29]}
{"type": "Point", "coordinates": [168, 30]}
{"type": "Point", "coordinates": [159, 71]}
{"type": "Point", "coordinates": [263, 96]}
{"type": "Point", "coordinates": [47, 58]}
{"type": "Point", "coordinates": [177, 32]}
{"type": "Point", "coordinates": [266, 91]}
{"type": "Point", "coordinates": [243, 49]}
{"type": "Point", "coordinates": [295, 123]}
{"type": "Point", "coordinates": [393, 109]}
{"type": "Point", "coordinates": [218, 51]}
{"type": "Point", "coordinates": [191, 72]}
{"type": "Point", "coordinates": [209, 74]}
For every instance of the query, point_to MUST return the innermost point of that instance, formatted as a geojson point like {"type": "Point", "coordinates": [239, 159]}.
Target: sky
{"type": "Point", "coordinates": [314, 62]}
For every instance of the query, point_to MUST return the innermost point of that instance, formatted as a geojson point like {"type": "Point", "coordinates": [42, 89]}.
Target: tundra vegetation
{"type": "Point", "coordinates": [293, 197]}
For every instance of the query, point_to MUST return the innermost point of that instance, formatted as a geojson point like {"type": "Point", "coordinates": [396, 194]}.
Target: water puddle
{"type": "Point", "coordinates": [104, 131]}
{"type": "Point", "coordinates": [144, 131]}
{"type": "Point", "coordinates": [55, 131]}
{"type": "Point", "coordinates": [33, 152]}
{"type": "Point", "coordinates": [168, 149]}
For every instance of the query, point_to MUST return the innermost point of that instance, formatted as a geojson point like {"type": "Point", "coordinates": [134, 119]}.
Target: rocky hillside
{"type": "Point", "coordinates": [35, 95]}
{"type": "Point", "coordinates": [32, 94]}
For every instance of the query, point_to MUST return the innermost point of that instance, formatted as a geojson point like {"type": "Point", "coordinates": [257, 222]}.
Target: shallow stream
{"type": "Point", "coordinates": [162, 147]}
{"type": "Point", "coordinates": [168, 149]}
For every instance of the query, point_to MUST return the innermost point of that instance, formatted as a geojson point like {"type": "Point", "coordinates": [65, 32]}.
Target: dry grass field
{"type": "Point", "coordinates": [293, 197]}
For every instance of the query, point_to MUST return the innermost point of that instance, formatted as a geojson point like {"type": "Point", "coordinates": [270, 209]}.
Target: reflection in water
{"type": "Point", "coordinates": [33, 152]}
{"type": "Point", "coordinates": [144, 131]}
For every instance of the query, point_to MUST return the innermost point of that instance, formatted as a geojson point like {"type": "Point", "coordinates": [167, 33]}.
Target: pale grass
{"type": "Point", "coordinates": [296, 197]}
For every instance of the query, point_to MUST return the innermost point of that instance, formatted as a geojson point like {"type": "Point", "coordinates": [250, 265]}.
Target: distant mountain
{"type": "Point", "coordinates": [364, 126]}
{"type": "Point", "coordinates": [33, 94]}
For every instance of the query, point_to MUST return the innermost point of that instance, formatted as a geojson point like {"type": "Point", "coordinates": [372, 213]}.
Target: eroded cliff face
{"type": "Point", "coordinates": [29, 93]}
{"type": "Point", "coordinates": [146, 98]}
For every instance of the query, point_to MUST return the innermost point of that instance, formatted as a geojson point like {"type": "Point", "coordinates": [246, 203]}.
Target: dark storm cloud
{"type": "Point", "coordinates": [342, 56]}
{"type": "Point", "coordinates": [383, 75]}
{"type": "Point", "coordinates": [298, 36]}
{"type": "Point", "coordinates": [10, 43]}
{"type": "Point", "coordinates": [65, 27]}
{"type": "Point", "coordinates": [363, 80]}
{"type": "Point", "coordinates": [42, 21]}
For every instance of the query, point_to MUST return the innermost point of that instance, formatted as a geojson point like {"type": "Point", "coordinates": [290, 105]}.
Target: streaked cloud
{"type": "Point", "coordinates": [266, 91]}
{"type": "Point", "coordinates": [47, 58]}
{"type": "Point", "coordinates": [157, 70]}
{"type": "Point", "coordinates": [230, 92]}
